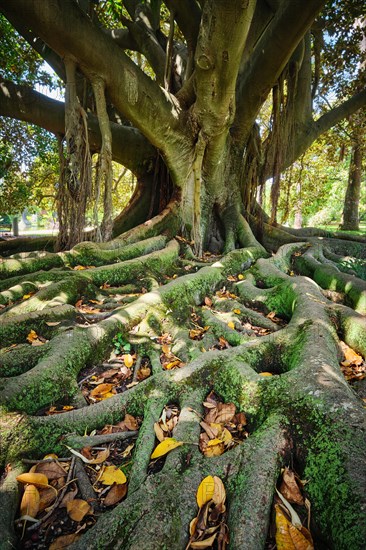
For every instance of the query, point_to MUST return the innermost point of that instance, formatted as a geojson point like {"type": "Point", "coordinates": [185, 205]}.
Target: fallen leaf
{"type": "Point", "coordinates": [288, 537]}
{"type": "Point", "coordinates": [165, 447]}
{"type": "Point", "coordinates": [225, 413]}
{"type": "Point", "coordinates": [112, 474]}
{"type": "Point", "coordinates": [78, 509]}
{"type": "Point", "coordinates": [172, 364]}
{"type": "Point", "coordinates": [206, 543]}
{"type": "Point", "coordinates": [79, 267]}
{"type": "Point", "coordinates": [208, 301]}
{"type": "Point", "coordinates": [350, 356]}
{"type": "Point", "coordinates": [130, 422]}
{"type": "Point", "coordinates": [53, 323]}
{"type": "Point", "coordinates": [101, 390]}
{"type": "Point", "coordinates": [142, 373]}
{"type": "Point", "coordinates": [205, 491]}
{"type": "Point", "coordinates": [265, 373]}
{"type": "Point", "coordinates": [115, 494]}
{"type": "Point", "coordinates": [70, 495]}
{"type": "Point", "coordinates": [290, 489]}
{"type": "Point", "coordinates": [219, 494]}
{"type": "Point", "coordinates": [64, 541]}
{"type": "Point", "coordinates": [159, 432]}
{"type": "Point", "coordinates": [237, 311]}
{"type": "Point", "coordinates": [52, 470]}
{"type": "Point", "coordinates": [215, 447]}
{"type": "Point", "coordinates": [241, 277]}
{"type": "Point", "coordinates": [165, 349]}
{"type": "Point", "coordinates": [47, 497]}
{"type": "Point", "coordinates": [128, 360]}
{"type": "Point", "coordinates": [39, 480]}
{"type": "Point", "coordinates": [231, 325]}
{"type": "Point", "coordinates": [29, 505]}
{"type": "Point", "coordinates": [27, 296]}
{"type": "Point", "coordinates": [32, 336]}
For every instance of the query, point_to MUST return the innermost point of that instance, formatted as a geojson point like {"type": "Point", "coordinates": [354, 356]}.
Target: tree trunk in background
{"type": "Point", "coordinates": [352, 199]}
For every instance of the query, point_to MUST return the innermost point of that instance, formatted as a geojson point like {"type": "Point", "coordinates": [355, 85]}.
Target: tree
{"type": "Point", "coordinates": [191, 138]}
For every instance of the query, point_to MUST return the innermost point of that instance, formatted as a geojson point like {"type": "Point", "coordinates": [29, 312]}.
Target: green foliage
{"type": "Point", "coordinates": [120, 344]}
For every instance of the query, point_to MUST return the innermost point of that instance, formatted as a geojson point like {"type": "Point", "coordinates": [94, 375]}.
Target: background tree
{"type": "Point", "coordinates": [184, 122]}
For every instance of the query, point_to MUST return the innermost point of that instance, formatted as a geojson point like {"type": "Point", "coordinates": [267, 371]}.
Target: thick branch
{"type": "Point", "coordinates": [130, 148]}
{"type": "Point", "coordinates": [132, 92]}
{"type": "Point", "coordinates": [269, 57]}
{"type": "Point", "coordinates": [307, 134]}
{"type": "Point", "coordinates": [220, 46]}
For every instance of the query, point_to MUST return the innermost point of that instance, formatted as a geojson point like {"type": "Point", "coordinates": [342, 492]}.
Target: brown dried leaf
{"type": "Point", "coordinates": [115, 494]}
{"type": "Point", "coordinates": [142, 373]}
{"type": "Point", "coordinates": [64, 541]}
{"type": "Point", "coordinates": [70, 495]}
{"type": "Point", "coordinates": [206, 543]}
{"type": "Point", "coordinates": [159, 432]}
{"type": "Point", "coordinates": [52, 470]}
{"type": "Point", "coordinates": [208, 301]}
{"type": "Point", "coordinates": [290, 489]}
{"type": "Point", "coordinates": [130, 422]}
{"type": "Point", "coordinates": [350, 356]}
{"type": "Point", "coordinates": [225, 413]}
{"type": "Point", "coordinates": [47, 497]}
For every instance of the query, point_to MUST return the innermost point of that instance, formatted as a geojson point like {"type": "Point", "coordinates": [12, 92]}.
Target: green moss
{"type": "Point", "coordinates": [333, 498]}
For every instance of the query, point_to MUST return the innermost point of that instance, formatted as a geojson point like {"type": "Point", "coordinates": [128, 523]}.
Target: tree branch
{"type": "Point", "coordinates": [130, 147]}
{"type": "Point", "coordinates": [133, 93]}
{"type": "Point", "coordinates": [307, 134]}
{"type": "Point", "coordinates": [270, 55]}
{"type": "Point", "coordinates": [188, 16]}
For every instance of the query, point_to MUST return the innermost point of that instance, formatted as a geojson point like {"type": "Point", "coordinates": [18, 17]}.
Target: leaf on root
{"type": "Point", "coordinates": [115, 494]}
{"type": "Point", "coordinates": [52, 470]}
{"type": "Point", "coordinates": [165, 447]}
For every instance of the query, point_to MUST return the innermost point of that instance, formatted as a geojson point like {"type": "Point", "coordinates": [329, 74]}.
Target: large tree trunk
{"type": "Point", "coordinates": [350, 221]}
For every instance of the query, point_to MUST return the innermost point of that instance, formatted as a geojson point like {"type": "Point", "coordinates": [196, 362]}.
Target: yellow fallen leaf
{"type": "Point", "coordinates": [231, 325]}
{"type": "Point", "coordinates": [288, 537]}
{"type": "Point", "coordinates": [237, 311]}
{"type": "Point", "coordinates": [101, 390]}
{"type": "Point", "coordinates": [171, 365]}
{"type": "Point", "coordinates": [214, 449]}
{"type": "Point", "coordinates": [32, 336]}
{"type": "Point", "coordinates": [77, 509]}
{"type": "Point", "coordinates": [50, 456]}
{"type": "Point", "coordinates": [39, 480]}
{"type": "Point", "coordinates": [265, 374]}
{"type": "Point", "coordinates": [29, 505]}
{"type": "Point", "coordinates": [27, 296]}
{"type": "Point", "coordinates": [241, 277]}
{"type": "Point", "coordinates": [112, 474]}
{"type": "Point", "coordinates": [79, 267]}
{"type": "Point", "coordinates": [165, 447]}
{"type": "Point", "coordinates": [226, 436]}
{"type": "Point", "coordinates": [165, 349]}
{"type": "Point", "coordinates": [206, 543]}
{"type": "Point", "coordinates": [128, 360]}
{"type": "Point", "coordinates": [205, 491]}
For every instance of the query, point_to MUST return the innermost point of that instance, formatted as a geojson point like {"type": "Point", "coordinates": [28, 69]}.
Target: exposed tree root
{"type": "Point", "coordinates": [304, 413]}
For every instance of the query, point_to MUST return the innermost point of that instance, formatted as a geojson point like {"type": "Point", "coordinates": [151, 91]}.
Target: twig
{"type": "Point", "coordinates": [29, 461]}
{"type": "Point", "coordinates": [96, 440]}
